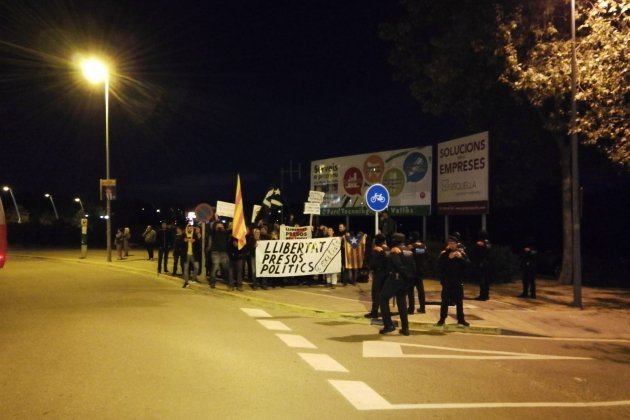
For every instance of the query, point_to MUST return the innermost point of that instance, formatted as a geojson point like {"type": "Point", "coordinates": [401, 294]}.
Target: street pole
{"type": "Point", "coordinates": [17, 210]}
{"type": "Point", "coordinates": [575, 183]}
{"type": "Point", "coordinates": [109, 209]}
{"type": "Point", "coordinates": [53, 205]}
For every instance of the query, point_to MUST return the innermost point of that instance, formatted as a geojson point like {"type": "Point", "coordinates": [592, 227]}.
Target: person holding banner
{"type": "Point", "coordinates": [396, 285]}
{"type": "Point", "coordinates": [193, 248]}
{"type": "Point", "coordinates": [331, 279]}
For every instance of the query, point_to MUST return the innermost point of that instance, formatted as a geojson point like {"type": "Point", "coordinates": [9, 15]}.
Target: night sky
{"type": "Point", "coordinates": [201, 90]}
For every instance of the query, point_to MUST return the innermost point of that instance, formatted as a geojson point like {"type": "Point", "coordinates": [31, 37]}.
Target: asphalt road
{"type": "Point", "coordinates": [110, 342]}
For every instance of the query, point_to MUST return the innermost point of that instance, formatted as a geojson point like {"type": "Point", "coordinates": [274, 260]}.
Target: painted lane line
{"type": "Point", "coordinates": [322, 362]}
{"type": "Point", "coordinates": [590, 340]}
{"type": "Point", "coordinates": [256, 313]}
{"type": "Point", "coordinates": [393, 349]}
{"type": "Point", "coordinates": [296, 341]}
{"type": "Point", "coordinates": [363, 397]}
{"type": "Point", "coordinates": [274, 325]}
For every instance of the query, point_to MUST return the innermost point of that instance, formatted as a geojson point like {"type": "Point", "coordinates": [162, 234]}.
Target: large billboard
{"type": "Point", "coordinates": [406, 173]}
{"type": "Point", "coordinates": [462, 175]}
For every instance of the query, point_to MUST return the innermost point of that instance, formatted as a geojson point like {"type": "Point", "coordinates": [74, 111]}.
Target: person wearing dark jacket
{"type": "Point", "coordinates": [529, 254]}
{"type": "Point", "coordinates": [178, 250]}
{"type": "Point", "coordinates": [237, 263]}
{"type": "Point", "coordinates": [481, 265]}
{"type": "Point", "coordinates": [164, 243]}
{"type": "Point", "coordinates": [452, 266]}
{"type": "Point", "coordinates": [419, 251]}
{"type": "Point", "coordinates": [218, 243]}
{"type": "Point", "coordinates": [378, 264]}
{"type": "Point", "coordinates": [396, 285]}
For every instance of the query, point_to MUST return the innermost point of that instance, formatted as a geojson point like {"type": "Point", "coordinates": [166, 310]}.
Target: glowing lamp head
{"type": "Point", "coordinates": [95, 70]}
{"type": "Point", "coordinates": [5, 188]}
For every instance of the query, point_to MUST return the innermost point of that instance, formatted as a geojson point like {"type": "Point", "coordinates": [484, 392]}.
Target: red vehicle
{"type": "Point", "coordinates": [3, 236]}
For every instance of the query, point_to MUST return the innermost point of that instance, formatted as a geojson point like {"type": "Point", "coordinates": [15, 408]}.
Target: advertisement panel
{"type": "Point", "coordinates": [406, 173]}
{"type": "Point", "coordinates": [462, 175]}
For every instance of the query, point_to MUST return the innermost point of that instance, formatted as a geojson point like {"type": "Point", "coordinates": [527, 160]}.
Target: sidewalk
{"type": "Point", "coordinates": [605, 314]}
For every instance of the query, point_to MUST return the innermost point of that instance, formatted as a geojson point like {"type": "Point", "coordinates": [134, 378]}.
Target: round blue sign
{"type": "Point", "coordinates": [377, 197]}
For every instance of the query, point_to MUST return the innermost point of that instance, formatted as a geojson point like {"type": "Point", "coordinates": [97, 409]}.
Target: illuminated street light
{"type": "Point", "coordinates": [17, 210]}
{"type": "Point", "coordinates": [49, 196]}
{"type": "Point", "coordinates": [78, 200]}
{"type": "Point", "coordinates": [96, 72]}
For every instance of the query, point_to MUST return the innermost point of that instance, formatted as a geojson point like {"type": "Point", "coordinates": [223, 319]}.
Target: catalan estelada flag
{"type": "Point", "coordinates": [354, 247]}
{"type": "Point", "coordinates": [239, 231]}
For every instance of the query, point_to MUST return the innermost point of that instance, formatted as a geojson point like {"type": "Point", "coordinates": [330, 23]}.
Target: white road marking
{"type": "Point", "coordinates": [274, 325]}
{"type": "Point", "coordinates": [363, 397]}
{"type": "Point", "coordinates": [393, 349]}
{"type": "Point", "coordinates": [322, 362]}
{"type": "Point", "coordinates": [256, 313]}
{"type": "Point", "coordinates": [590, 340]}
{"type": "Point", "coordinates": [298, 341]}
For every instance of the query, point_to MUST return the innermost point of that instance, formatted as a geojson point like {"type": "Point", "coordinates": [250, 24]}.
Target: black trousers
{"type": "Point", "coordinates": [163, 258]}
{"type": "Point", "coordinates": [452, 292]}
{"type": "Point", "coordinates": [177, 257]}
{"type": "Point", "coordinates": [529, 283]}
{"type": "Point", "coordinates": [419, 285]}
{"type": "Point", "coordinates": [378, 280]}
{"type": "Point", "coordinates": [398, 288]}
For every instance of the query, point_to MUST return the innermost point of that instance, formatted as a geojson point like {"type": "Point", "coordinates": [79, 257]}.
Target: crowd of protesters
{"type": "Point", "coordinates": [395, 263]}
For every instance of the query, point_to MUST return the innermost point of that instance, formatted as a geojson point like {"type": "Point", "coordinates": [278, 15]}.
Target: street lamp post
{"type": "Point", "coordinates": [49, 196]}
{"type": "Point", "coordinates": [575, 181]}
{"type": "Point", "coordinates": [78, 200]}
{"type": "Point", "coordinates": [17, 210]}
{"type": "Point", "coordinates": [96, 72]}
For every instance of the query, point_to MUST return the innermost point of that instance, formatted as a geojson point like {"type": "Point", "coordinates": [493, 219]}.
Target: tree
{"type": "Point", "coordinates": [460, 56]}
{"type": "Point", "coordinates": [537, 48]}
{"type": "Point", "coordinates": [541, 69]}
{"type": "Point", "coordinates": [446, 51]}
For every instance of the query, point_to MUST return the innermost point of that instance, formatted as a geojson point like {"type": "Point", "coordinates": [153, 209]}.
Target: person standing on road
{"type": "Point", "coordinates": [178, 250]}
{"type": "Point", "coordinates": [118, 241]}
{"type": "Point", "coordinates": [481, 265]}
{"type": "Point", "coordinates": [252, 244]}
{"type": "Point", "coordinates": [452, 265]}
{"type": "Point", "coordinates": [529, 254]}
{"type": "Point", "coordinates": [149, 236]}
{"type": "Point", "coordinates": [237, 263]}
{"type": "Point", "coordinates": [164, 243]}
{"type": "Point", "coordinates": [193, 243]}
{"type": "Point", "coordinates": [331, 278]}
{"type": "Point", "coordinates": [419, 251]}
{"type": "Point", "coordinates": [218, 243]}
{"type": "Point", "coordinates": [396, 285]}
{"type": "Point", "coordinates": [378, 264]}
{"type": "Point", "coordinates": [126, 239]}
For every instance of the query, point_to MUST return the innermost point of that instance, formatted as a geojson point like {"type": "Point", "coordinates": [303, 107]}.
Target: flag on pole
{"type": "Point", "coordinates": [239, 230]}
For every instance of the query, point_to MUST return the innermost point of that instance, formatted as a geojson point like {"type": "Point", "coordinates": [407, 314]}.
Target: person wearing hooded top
{"type": "Point", "coordinates": [396, 285]}
{"type": "Point", "coordinates": [379, 265]}
{"type": "Point", "coordinates": [452, 265]}
{"type": "Point", "coordinates": [419, 251]}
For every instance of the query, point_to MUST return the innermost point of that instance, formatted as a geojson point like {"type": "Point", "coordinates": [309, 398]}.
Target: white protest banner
{"type": "Point", "coordinates": [312, 208]}
{"type": "Point", "coordinates": [462, 175]}
{"type": "Point", "coordinates": [298, 257]}
{"type": "Point", "coordinates": [295, 232]}
{"type": "Point", "coordinates": [316, 197]}
{"type": "Point", "coordinates": [225, 209]}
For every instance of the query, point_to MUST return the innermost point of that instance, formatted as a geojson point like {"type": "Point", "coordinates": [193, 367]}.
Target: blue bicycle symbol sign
{"type": "Point", "coordinates": [377, 197]}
